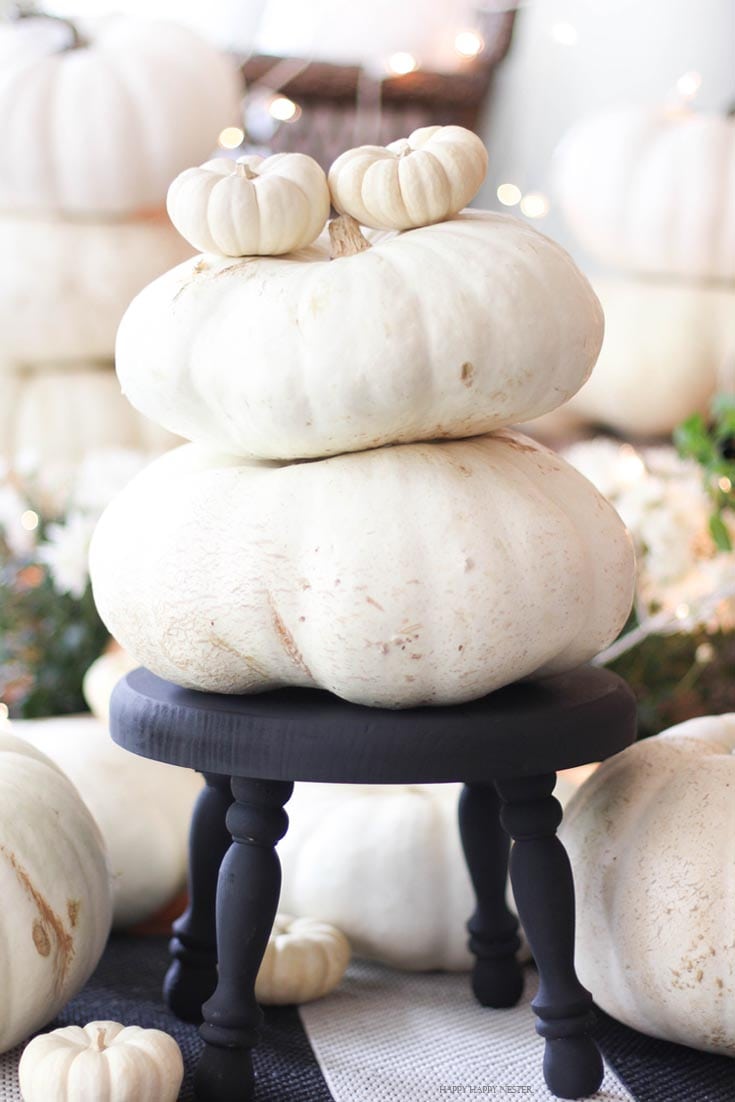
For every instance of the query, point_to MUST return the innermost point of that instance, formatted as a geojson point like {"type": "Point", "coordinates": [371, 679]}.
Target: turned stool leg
{"type": "Point", "coordinates": [192, 977]}
{"type": "Point", "coordinates": [247, 898]}
{"type": "Point", "coordinates": [497, 978]}
{"type": "Point", "coordinates": [544, 893]}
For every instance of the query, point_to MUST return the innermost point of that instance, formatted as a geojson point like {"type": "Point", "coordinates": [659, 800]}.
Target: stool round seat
{"type": "Point", "coordinates": [506, 748]}
{"type": "Point", "coordinates": [525, 729]}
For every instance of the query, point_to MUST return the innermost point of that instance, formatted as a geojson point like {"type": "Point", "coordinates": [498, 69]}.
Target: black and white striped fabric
{"type": "Point", "coordinates": [388, 1036]}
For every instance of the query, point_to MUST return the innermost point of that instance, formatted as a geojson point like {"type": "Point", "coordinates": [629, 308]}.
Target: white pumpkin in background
{"type": "Point", "coordinates": [444, 331]}
{"type": "Point", "coordinates": [56, 905]}
{"type": "Point", "coordinates": [104, 1061]}
{"type": "Point", "coordinates": [52, 416]}
{"type": "Point", "coordinates": [64, 285]}
{"type": "Point", "coordinates": [650, 191]}
{"type": "Point", "coordinates": [100, 122]}
{"type": "Point", "coordinates": [255, 206]}
{"type": "Point", "coordinates": [424, 178]}
{"type": "Point", "coordinates": [668, 348]}
{"type": "Point", "coordinates": [304, 960]}
{"type": "Point", "coordinates": [400, 844]}
{"type": "Point", "coordinates": [102, 677]}
{"type": "Point", "coordinates": [143, 809]}
{"type": "Point", "coordinates": [427, 573]}
{"type": "Point", "coordinates": [651, 837]}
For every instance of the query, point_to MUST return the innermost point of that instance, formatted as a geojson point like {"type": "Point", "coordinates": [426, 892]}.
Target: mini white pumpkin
{"type": "Point", "coordinates": [649, 191]}
{"type": "Point", "coordinates": [102, 677]}
{"type": "Point", "coordinates": [668, 348]}
{"type": "Point", "coordinates": [446, 331]}
{"type": "Point", "coordinates": [100, 123]}
{"type": "Point", "coordinates": [254, 206]}
{"type": "Point", "coordinates": [55, 890]}
{"type": "Point", "coordinates": [423, 574]}
{"type": "Point", "coordinates": [102, 1062]}
{"type": "Point", "coordinates": [428, 177]}
{"type": "Point", "coordinates": [64, 285]}
{"type": "Point", "coordinates": [304, 960]}
{"type": "Point", "coordinates": [51, 416]}
{"type": "Point", "coordinates": [651, 840]}
{"type": "Point", "coordinates": [143, 809]}
{"type": "Point", "coordinates": [401, 845]}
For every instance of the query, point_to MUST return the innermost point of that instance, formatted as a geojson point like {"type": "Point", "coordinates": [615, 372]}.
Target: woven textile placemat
{"type": "Point", "coordinates": [386, 1035]}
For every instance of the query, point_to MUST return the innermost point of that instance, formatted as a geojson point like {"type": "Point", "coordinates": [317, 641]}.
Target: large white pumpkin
{"type": "Point", "coordinates": [447, 330]}
{"type": "Point", "coordinates": [105, 127]}
{"type": "Point", "coordinates": [64, 285]}
{"type": "Point", "coordinates": [668, 348]}
{"type": "Point", "coordinates": [51, 417]}
{"type": "Point", "coordinates": [143, 809]}
{"type": "Point", "coordinates": [651, 191]}
{"type": "Point", "coordinates": [651, 837]}
{"type": "Point", "coordinates": [55, 892]}
{"type": "Point", "coordinates": [401, 845]}
{"type": "Point", "coordinates": [425, 573]}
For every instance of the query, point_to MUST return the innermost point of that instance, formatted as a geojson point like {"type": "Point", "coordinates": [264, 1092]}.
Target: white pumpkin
{"type": "Point", "coordinates": [445, 331]}
{"type": "Point", "coordinates": [304, 960]}
{"type": "Point", "coordinates": [255, 206]}
{"type": "Point", "coordinates": [651, 839]}
{"type": "Point", "coordinates": [649, 191]}
{"type": "Point", "coordinates": [668, 348]}
{"type": "Point", "coordinates": [55, 890]}
{"type": "Point", "coordinates": [428, 573]}
{"type": "Point", "coordinates": [102, 1062]}
{"type": "Point", "coordinates": [102, 677]}
{"type": "Point", "coordinates": [52, 416]}
{"type": "Point", "coordinates": [143, 809]}
{"type": "Point", "coordinates": [401, 845]}
{"type": "Point", "coordinates": [428, 177]}
{"type": "Point", "coordinates": [102, 125]}
{"type": "Point", "coordinates": [64, 285]}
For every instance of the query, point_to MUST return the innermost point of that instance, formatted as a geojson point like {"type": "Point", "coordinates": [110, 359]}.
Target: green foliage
{"type": "Point", "coordinates": [712, 445]}
{"type": "Point", "coordinates": [47, 639]}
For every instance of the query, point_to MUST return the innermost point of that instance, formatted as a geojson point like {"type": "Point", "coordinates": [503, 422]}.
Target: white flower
{"type": "Point", "coordinates": [20, 539]}
{"type": "Point", "coordinates": [66, 552]}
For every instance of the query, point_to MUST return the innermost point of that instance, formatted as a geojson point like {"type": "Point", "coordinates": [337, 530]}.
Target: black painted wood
{"type": "Point", "coordinates": [497, 978]}
{"type": "Point", "coordinates": [309, 735]}
{"type": "Point", "coordinates": [192, 977]}
{"type": "Point", "coordinates": [544, 893]}
{"type": "Point", "coordinates": [247, 897]}
{"type": "Point", "coordinates": [517, 738]}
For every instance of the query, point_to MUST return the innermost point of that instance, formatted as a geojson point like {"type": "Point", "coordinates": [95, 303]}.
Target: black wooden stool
{"type": "Point", "coordinates": [506, 749]}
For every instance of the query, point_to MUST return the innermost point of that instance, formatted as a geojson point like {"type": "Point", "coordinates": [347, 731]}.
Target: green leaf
{"type": "Point", "coordinates": [719, 533]}
{"type": "Point", "coordinates": [693, 440]}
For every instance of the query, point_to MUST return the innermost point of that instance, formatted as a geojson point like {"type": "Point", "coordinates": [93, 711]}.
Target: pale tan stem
{"type": "Point", "coordinates": [245, 170]}
{"type": "Point", "coordinates": [99, 1041]}
{"type": "Point", "coordinates": [345, 237]}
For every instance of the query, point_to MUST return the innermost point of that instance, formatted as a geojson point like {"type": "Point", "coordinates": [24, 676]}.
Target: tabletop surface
{"type": "Point", "coordinates": [311, 735]}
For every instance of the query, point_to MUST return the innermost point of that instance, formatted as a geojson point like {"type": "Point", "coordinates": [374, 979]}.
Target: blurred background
{"type": "Point", "coordinates": [608, 128]}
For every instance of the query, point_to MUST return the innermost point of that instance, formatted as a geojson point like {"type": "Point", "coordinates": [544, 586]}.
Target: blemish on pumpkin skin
{"type": "Point", "coordinates": [46, 926]}
{"type": "Point", "coordinates": [287, 640]}
{"type": "Point", "coordinates": [72, 909]}
{"type": "Point", "coordinates": [467, 374]}
{"type": "Point", "coordinates": [375, 604]}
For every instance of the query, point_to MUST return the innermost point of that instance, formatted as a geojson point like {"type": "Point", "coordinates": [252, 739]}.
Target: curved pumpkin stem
{"type": "Point", "coordinates": [346, 237]}
{"type": "Point", "coordinates": [28, 10]}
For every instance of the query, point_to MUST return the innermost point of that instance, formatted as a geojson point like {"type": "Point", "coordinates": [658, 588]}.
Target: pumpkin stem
{"type": "Point", "coordinates": [99, 1041]}
{"type": "Point", "coordinates": [346, 237]}
{"type": "Point", "coordinates": [245, 170]}
{"type": "Point", "coordinates": [28, 10]}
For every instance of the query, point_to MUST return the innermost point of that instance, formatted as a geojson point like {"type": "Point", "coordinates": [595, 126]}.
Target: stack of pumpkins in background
{"type": "Point", "coordinates": [353, 514]}
{"type": "Point", "coordinates": [96, 121]}
{"type": "Point", "coordinates": [648, 194]}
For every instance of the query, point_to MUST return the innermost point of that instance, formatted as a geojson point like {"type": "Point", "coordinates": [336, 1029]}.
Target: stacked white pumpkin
{"type": "Point", "coordinates": [648, 196]}
{"type": "Point", "coordinates": [352, 514]}
{"type": "Point", "coordinates": [96, 121]}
